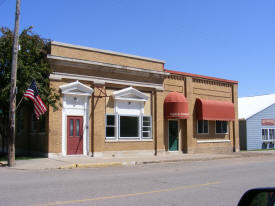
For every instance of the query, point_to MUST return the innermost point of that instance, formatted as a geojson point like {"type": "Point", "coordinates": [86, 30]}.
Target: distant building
{"type": "Point", "coordinates": [257, 122]}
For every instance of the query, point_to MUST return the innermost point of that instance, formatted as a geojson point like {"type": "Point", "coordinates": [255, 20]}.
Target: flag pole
{"type": "Point", "coordinates": [19, 103]}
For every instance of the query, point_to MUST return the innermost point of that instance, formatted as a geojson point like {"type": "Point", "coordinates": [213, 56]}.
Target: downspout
{"type": "Point", "coordinates": [92, 127]}
{"type": "Point", "coordinates": [236, 122]}
{"type": "Point", "coordinates": [155, 122]}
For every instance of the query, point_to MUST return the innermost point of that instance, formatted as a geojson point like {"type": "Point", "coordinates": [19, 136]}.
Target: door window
{"type": "Point", "coordinates": [173, 135]}
{"type": "Point", "coordinates": [71, 127]}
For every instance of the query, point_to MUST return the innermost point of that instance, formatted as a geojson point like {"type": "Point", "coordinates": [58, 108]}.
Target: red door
{"type": "Point", "coordinates": [74, 135]}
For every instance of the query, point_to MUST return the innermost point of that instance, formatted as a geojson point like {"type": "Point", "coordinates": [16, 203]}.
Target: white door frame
{"type": "Point", "coordinates": [84, 112]}
{"type": "Point", "coordinates": [76, 102]}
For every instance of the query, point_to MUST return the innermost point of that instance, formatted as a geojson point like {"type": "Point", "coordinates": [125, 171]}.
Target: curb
{"type": "Point", "coordinates": [186, 160]}
{"type": "Point", "coordinates": [99, 165]}
{"type": "Point", "coordinates": [93, 165]}
{"type": "Point", "coordinates": [144, 162]}
{"type": "Point", "coordinates": [3, 163]}
{"type": "Point", "coordinates": [203, 159]}
{"type": "Point", "coordinates": [71, 166]}
{"type": "Point", "coordinates": [105, 164]}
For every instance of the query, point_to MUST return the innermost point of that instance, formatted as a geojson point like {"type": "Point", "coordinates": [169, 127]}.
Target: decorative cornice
{"type": "Point", "coordinates": [74, 62]}
{"type": "Point", "coordinates": [201, 76]}
{"type": "Point", "coordinates": [106, 52]}
{"type": "Point", "coordinates": [60, 76]}
{"type": "Point", "coordinates": [123, 93]}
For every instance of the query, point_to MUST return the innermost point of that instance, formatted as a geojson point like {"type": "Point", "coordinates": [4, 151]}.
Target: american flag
{"type": "Point", "coordinates": [32, 93]}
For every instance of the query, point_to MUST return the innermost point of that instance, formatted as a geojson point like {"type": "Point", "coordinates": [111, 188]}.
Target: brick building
{"type": "Point", "coordinates": [115, 104]}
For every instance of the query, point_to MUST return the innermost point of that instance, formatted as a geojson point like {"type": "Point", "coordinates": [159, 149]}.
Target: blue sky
{"type": "Point", "coordinates": [231, 39]}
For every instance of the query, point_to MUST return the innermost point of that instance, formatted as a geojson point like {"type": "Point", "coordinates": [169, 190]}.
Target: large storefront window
{"type": "Point", "coordinates": [129, 127]}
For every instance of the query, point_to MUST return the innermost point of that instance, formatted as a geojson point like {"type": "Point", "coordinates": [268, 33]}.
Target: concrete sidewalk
{"type": "Point", "coordinates": [72, 162]}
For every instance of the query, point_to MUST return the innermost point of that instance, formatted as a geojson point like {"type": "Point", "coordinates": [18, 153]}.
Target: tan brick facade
{"type": "Point", "coordinates": [100, 56]}
{"type": "Point", "coordinates": [149, 78]}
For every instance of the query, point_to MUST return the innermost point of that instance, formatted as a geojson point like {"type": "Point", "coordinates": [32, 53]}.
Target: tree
{"type": "Point", "coordinates": [32, 65]}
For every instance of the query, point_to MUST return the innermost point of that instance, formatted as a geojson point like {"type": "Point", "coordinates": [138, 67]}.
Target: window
{"type": "Point", "coordinates": [268, 135]}
{"type": "Point", "coordinates": [78, 127]}
{"type": "Point", "coordinates": [272, 134]}
{"type": "Point", "coordinates": [146, 127]}
{"type": "Point", "coordinates": [110, 126]}
{"type": "Point", "coordinates": [128, 123]}
{"type": "Point", "coordinates": [71, 127]}
{"type": "Point", "coordinates": [202, 126]}
{"type": "Point", "coordinates": [129, 127]}
{"type": "Point", "coordinates": [221, 127]}
{"type": "Point", "coordinates": [264, 134]}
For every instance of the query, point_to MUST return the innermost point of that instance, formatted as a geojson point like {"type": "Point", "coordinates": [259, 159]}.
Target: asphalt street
{"type": "Point", "coordinates": [212, 182]}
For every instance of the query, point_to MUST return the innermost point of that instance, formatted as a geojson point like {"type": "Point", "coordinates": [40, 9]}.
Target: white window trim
{"type": "Point", "coordinates": [213, 141]}
{"type": "Point", "coordinates": [132, 95]}
{"type": "Point", "coordinates": [150, 132]}
{"type": "Point", "coordinates": [268, 136]}
{"type": "Point", "coordinates": [115, 126]}
{"type": "Point", "coordinates": [140, 137]}
{"type": "Point", "coordinates": [139, 127]}
{"type": "Point", "coordinates": [207, 128]}
{"type": "Point", "coordinates": [227, 128]}
{"type": "Point", "coordinates": [273, 140]}
{"type": "Point", "coordinates": [128, 140]}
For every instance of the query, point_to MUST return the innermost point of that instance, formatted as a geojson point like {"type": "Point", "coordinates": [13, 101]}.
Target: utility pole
{"type": "Point", "coordinates": [11, 148]}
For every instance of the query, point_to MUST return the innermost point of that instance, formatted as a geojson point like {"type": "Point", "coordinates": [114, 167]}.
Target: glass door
{"type": "Point", "coordinates": [173, 133]}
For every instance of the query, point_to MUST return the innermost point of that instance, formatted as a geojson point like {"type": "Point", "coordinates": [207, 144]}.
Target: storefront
{"type": "Point", "coordinates": [115, 104]}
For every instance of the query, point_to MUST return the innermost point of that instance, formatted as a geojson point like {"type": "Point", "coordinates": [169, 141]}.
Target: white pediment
{"type": "Point", "coordinates": [130, 94]}
{"type": "Point", "coordinates": [76, 88]}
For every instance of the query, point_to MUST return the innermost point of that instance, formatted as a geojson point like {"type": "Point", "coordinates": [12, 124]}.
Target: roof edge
{"type": "Point", "coordinates": [260, 95]}
{"type": "Point", "coordinates": [81, 61]}
{"type": "Point", "coordinates": [106, 51]}
{"type": "Point", "coordinates": [252, 115]}
{"type": "Point", "coordinates": [201, 76]}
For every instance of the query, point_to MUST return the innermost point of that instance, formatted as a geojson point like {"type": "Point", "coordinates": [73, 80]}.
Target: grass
{"type": "Point", "coordinates": [4, 157]}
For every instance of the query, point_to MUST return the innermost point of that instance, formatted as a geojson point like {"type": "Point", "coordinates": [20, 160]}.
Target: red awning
{"type": "Point", "coordinates": [215, 110]}
{"type": "Point", "coordinates": [175, 106]}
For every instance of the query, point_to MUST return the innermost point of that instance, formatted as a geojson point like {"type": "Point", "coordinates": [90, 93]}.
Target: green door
{"type": "Point", "coordinates": [173, 132]}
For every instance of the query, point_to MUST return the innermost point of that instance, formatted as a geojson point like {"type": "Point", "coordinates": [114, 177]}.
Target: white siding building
{"type": "Point", "coordinates": [257, 122]}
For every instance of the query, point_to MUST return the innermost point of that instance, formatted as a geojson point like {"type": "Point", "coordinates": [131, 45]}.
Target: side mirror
{"type": "Point", "coordinates": [258, 197]}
